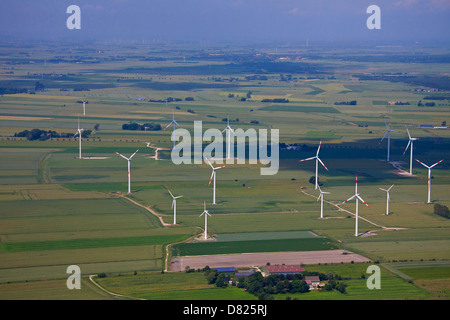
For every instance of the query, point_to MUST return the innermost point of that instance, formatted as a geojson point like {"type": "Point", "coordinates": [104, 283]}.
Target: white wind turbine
{"type": "Point", "coordinates": [388, 133]}
{"type": "Point", "coordinates": [213, 176]}
{"type": "Point", "coordinates": [410, 142]}
{"type": "Point", "coordinates": [317, 164]}
{"type": "Point", "coordinates": [229, 130]}
{"type": "Point", "coordinates": [174, 206]}
{"type": "Point", "coordinates": [79, 131]}
{"type": "Point", "coordinates": [84, 107]}
{"type": "Point", "coordinates": [175, 123]}
{"type": "Point", "coordinates": [429, 176]}
{"type": "Point", "coordinates": [129, 161]}
{"type": "Point", "coordinates": [321, 202]}
{"type": "Point", "coordinates": [206, 213]}
{"type": "Point", "coordinates": [357, 196]}
{"type": "Point", "coordinates": [388, 198]}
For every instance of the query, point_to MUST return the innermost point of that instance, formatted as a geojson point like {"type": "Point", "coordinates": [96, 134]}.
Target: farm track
{"type": "Point", "coordinates": [148, 209]}
{"type": "Point", "coordinates": [359, 216]}
{"type": "Point", "coordinates": [109, 292]}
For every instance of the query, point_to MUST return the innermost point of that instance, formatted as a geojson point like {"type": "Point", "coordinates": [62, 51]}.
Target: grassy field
{"type": "Point", "coordinates": [58, 210]}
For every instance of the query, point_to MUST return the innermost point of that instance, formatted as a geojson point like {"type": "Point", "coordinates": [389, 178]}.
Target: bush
{"type": "Point", "coordinates": [442, 210]}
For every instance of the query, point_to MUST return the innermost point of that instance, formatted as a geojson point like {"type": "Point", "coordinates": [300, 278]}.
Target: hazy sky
{"type": "Point", "coordinates": [216, 20]}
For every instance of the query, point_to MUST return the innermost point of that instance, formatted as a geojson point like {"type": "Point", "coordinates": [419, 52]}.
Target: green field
{"type": "Point", "coordinates": [58, 210]}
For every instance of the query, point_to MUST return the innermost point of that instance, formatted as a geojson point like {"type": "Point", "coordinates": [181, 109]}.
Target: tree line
{"type": "Point", "coordinates": [42, 135]}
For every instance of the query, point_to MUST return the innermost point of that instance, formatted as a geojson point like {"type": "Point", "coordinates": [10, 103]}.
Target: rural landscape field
{"type": "Point", "coordinates": [65, 202]}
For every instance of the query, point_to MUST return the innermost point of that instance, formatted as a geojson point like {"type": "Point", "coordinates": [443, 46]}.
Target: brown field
{"type": "Point", "coordinates": [261, 259]}
{"type": "Point", "coordinates": [19, 118]}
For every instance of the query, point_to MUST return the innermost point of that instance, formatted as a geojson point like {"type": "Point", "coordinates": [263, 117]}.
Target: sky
{"type": "Point", "coordinates": [228, 20]}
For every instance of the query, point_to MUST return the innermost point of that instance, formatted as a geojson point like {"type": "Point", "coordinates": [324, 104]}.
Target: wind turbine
{"type": "Point", "coordinates": [175, 123]}
{"type": "Point", "coordinates": [317, 164]}
{"type": "Point", "coordinates": [174, 206]}
{"type": "Point", "coordinates": [388, 133]}
{"type": "Point", "coordinates": [429, 176]}
{"type": "Point", "coordinates": [321, 202]}
{"type": "Point", "coordinates": [79, 131]}
{"type": "Point", "coordinates": [228, 129]}
{"type": "Point", "coordinates": [357, 196]}
{"type": "Point", "coordinates": [388, 198]}
{"type": "Point", "coordinates": [213, 175]}
{"type": "Point", "coordinates": [129, 161]}
{"type": "Point", "coordinates": [410, 142]}
{"type": "Point", "coordinates": [206, 213]}
{"type": "Point", "coordinates": [84, 107]}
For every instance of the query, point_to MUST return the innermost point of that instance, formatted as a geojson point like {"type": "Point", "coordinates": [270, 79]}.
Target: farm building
{"type": "Point", "coordinates": [284, 269]}
{"type": "Point", "coordinates": [312, 281]}
{"type": "Point", "coordinates": [243, 274]}
{"type": "Point", "coordinates": [225, 269]}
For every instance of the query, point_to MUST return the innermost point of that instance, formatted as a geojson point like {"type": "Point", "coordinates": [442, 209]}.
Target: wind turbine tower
{"type": "Point", "coordinates": [321, 202]}
{"type": "Point", "coordinates": [358, 197]}
{"type": "Point", "coordinates": [410, 143]}
{"type": "Point", "coordinates": [388, 198]}
{"type": "Point", "coordinates": [129, 175]}
{"type": "Point", "coordinates": [206, 214]}
{"type": "Point", "coordinates": [317, 164]}
{"type": "Point", "coordinates": [84, 107]}
{"type": "Point", "coordinates": [174, 206]}
{"type": "Point", "coordinates": [213, 176]}
{"type": "Point", "coordinates": [229, 130]}
{"type": "Point", "coordinates": [79, 131]}
{"type": "Point", "coordinates": [388, 133]}
{"type": "Point", "coordinates": [175, 123]}
{"type": "Point", "coordinates": [429, 176]}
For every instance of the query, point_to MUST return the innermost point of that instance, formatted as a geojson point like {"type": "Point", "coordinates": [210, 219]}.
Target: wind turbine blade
{"type": "Point", "coordinates": [383, 189]}
{"type": "Point", "coordinates": [173, 202]}
{"type": "Point", "coordinates": [422, 163]}
{"type": "Point", "coordinates": [207, 161]}
{"type": "Point", "coordinates": [122, 156]}
{"type": "Point", "coordinates": [351, 198]}
{"type": "Point", "coordinates": [168, 125]}
{"type": "Point", "coordinates": [322, 164]}
{"type": "Point", "coordinates": [212, 174]}
{"type": "Point", "coordinates": [407, 146]}
{"type": "Point", "coordinates": [384, 136]}
{"type": "Point", "coordinates": [231, 129]}
{"type": "Point", "coordinates": [134, 154]}
{"type": "Point", "coordinates": [436, 163]}
{"type": "Point", "coordinates": [408, 133]}
{"type": "Point", "coordinates": [307, 159]}
{"type": "Point", "coordinates": [178, 197]}
{"type": "Point", "coordinates": [171, 193]}
{"type": "Point", "coordinates": [318, 149]}
{"type": "Point", "coordinates": [217, 168]}
{"type": "Point", "coordinates": [390, 188]}
{"type": "Point", "coordinates": [362, 200]}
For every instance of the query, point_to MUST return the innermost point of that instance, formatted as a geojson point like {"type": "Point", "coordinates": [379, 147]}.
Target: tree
{"type": "Point", "coordinates": [96, 127]}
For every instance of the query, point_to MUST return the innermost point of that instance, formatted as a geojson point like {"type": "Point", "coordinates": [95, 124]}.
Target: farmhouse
{"type": "Point", "coordinates": [312, 281]}
{"type": "Point", "coordinates": [284, 269]}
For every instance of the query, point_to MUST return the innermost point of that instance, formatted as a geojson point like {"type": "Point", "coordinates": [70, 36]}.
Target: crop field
{"type": "Point", "coordinates": [59, 210]}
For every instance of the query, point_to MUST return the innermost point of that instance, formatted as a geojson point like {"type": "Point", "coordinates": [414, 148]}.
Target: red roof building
{"type": "Point", "coordinates": [284, 269]}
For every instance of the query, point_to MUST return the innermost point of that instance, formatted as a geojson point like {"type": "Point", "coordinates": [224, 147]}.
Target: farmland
{"type": "Point", "coordinates": [59, 210]}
